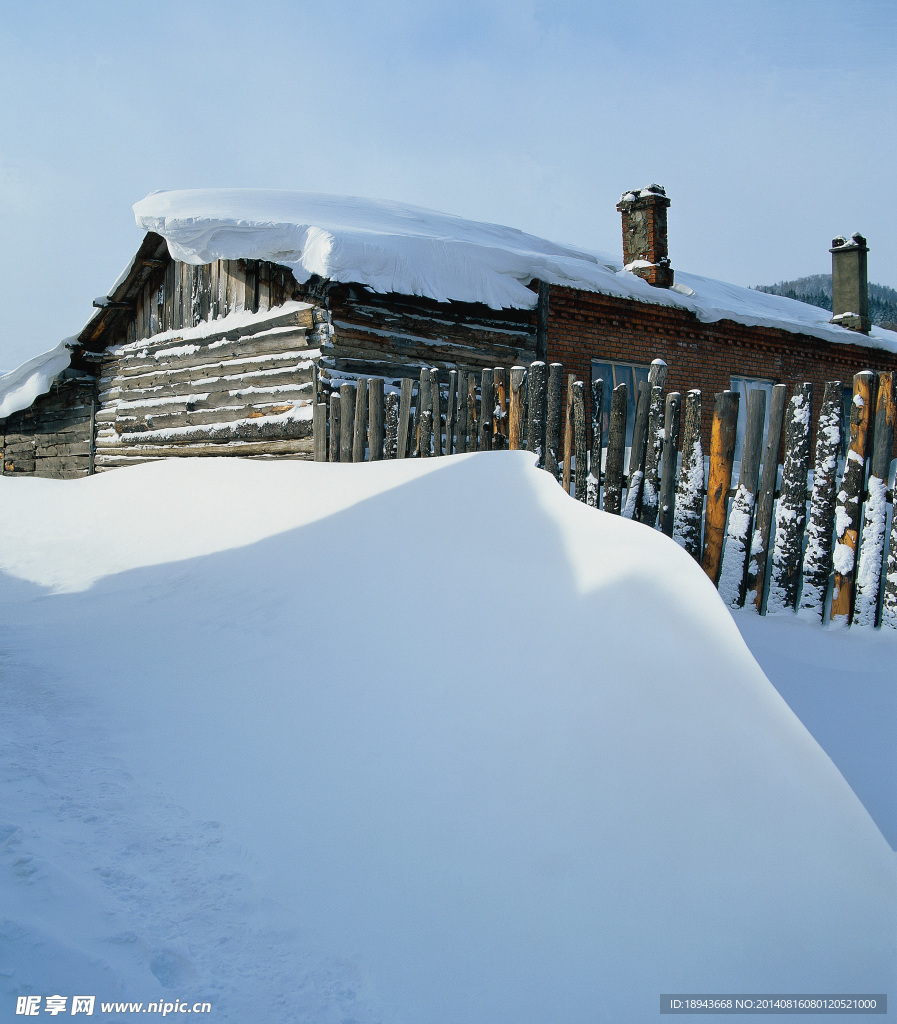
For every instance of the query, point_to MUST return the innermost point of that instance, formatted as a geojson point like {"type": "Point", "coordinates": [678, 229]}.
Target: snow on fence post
{"type": "Point", "coordinates": [461, 416]}
{"type": "Point", "coordinates": [347, 411]}
{"type": "Point", "coordinates": [535, 419]}
{"type": "Point", "coordinates": [594, 485]}
{"type": "Point", "coordinates": [637, 452]}
{"type": "Point", "coordinates": [473, 444]}
{"type": "Point", "coordinates": [361, 417]}
{"type": "Point", "coordinates": [669, 459]}
{"type": "Point", "coordinates": [847, 511]}
{"type": "Point", "coordinates": [791, 510]}
{"type": "Point", "coordinates": [487, 404]}
{"type": "Point", "coordinates": [722, 454]}
{"type": "Point", "coordinates": [616, 447]}
{"type": "Point", "coordinates": [515, 409]}
{"type": "Point", "coordinates": [450, 406]}
{"type": "Point", "coordinates": [579, 436]}
{"type": "Point", "coordinates": [733, 574]}
{"type": "Point", "coordinates": [334, 427]}
{"type": "Point", "coordinates": [375, 418]}
{"type": "Point", "coordinates": [500, 412]}
{"type": "Point", "coordinates": [875, 516]}
{"type": "Point", "coordinates": [392, 426]}
{"type": "Point", "coordinates": [404, 413]}
{"type": "Point", "coordinates": [690, 489]}
{"type": "Point", "coordinates": [568, 434]}
{"type": "Point", "coordinates": [436, 400]}
{"type": "Point", "coordinates": [756, 574]}
{"type": "Point", "coordinates": [553, 426]}
{"type": "Point", "coordinates": [818, 556]}
{"type": "Point", "coordinates": [319, 431]}
{"type": "Point", "coordinates": [648, 512]}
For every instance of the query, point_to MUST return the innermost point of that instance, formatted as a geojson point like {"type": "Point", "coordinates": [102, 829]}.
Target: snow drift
{"type": "Point", "coordinates": [402, 741]}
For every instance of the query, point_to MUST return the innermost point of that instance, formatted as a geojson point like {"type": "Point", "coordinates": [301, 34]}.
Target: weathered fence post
{"type": "Point", "coordinates": [756, 575]}
{"type": "Point", "coordinates": [637, 452]}
{"type": "Point", "coordinates": [580, 445]}
{"type": "Point", "coordinates": [515, 410]}
{"type": "Point", "coordinates": [319, 431]}
{"type": "Point", "coordinates": [472, 431]}
{"type": "Point", "coordinates": [690, 489]}
{"type": "Point", "coordinates": [616, 448]}
{"type": "Point", "coordinates": [404, 416]}
{"type": "Point", "coordinates": [650, 483]}
{"type": "Point", "coordinates": [553, 429]}
{"type": "Point", "coordinates": [425, 427]}
{"type": "Point", "coordinates": [347, 410]}
{"type": "Point", "coordinates": [594, 485]}
{"type": "Point", "coordinates": [669, 459]}
{"type": "Point", "coordinates": [733, 575]}
{"type": "Point", "coordinates": [335, 444]}
{"type": "Point", "coordinates": [436, 399]}
{"type": "Point", "coordinates": [361, 416]}
{"type": "Point", "coordinates": [500, 412]}
{"type": "Point", "coordinates": [535, 423]}
{"type": "Point", "coordinates": [791, 511]}
{"type": "Point", "coordinates": [392, 426]}
{"type": "Point", "coordinates": [487, 405]}
{"type": "Point", "coordinates": [722, 454]}
{"type": "Point", "coordinates": [818, 556]}
{"type": "Point", "coordinates": [875, 516]}
{"type": "Point", "coordinates": [568, 433]}
{"type": "Point", "coordinates": [461, 414]}
{"type": "Point", "coordinates": [375, 424]}
{"type": "Point", "coordinates": [450, 406]}
{"type": "Point", "coordinates": [424, 403]}
{"type": "Point", "coordinates": [847, 512]}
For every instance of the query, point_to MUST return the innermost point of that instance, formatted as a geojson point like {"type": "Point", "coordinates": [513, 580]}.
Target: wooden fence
{"type": "Point", "coordinates": [828, 554]}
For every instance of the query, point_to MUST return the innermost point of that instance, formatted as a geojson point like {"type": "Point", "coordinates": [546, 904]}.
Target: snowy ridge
{"type": "Point", "coordinates": [394, 247]}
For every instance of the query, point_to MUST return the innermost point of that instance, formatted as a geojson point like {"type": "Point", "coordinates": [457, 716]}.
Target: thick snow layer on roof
{"type": "Point", "coordinates": [277, 780]}
{"type": "Point", "coordinates": [20, 387]}
{"type": "Point", "coordinates": [393, 247]}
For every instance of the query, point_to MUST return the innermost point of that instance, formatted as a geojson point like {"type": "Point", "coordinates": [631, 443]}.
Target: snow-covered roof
{"type": "Point", "coordinates": [394, 247]}
{"type": "Point", "coordinates": [20, 387]}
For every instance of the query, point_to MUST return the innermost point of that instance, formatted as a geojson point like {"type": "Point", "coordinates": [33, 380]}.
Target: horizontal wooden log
{"type": "Point", "coordinates": [291, 446]}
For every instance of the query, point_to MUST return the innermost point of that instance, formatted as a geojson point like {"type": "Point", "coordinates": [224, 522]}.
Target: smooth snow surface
{"type": "Point", "coordinates": [394, 247]}
{"type": "Point", "coordinates": [416, 741]}
{"type": "Point", "coordinates": [20, 387]}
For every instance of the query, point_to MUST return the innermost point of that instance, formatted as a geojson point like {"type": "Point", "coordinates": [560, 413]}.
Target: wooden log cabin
{"type": "Point", "coordinates": [212, 340]}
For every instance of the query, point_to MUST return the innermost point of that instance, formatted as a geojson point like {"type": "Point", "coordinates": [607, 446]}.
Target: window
{"type": "Point", "coordinates": [614, 374]}
{"type": "Point", "coordinates": [744, 385]}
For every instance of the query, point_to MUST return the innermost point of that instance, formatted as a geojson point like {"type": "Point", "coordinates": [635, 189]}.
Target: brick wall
{"type": "Point", "coordinates": [584, 325]}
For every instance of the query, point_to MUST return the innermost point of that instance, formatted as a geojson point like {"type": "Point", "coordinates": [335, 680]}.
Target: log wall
{"type": "Point", "coordinates": [51, 437]}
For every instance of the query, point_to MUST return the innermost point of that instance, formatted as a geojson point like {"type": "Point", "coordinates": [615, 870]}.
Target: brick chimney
{"type": "Point", "coordinates": [850, 287]}
{"type": "Point", "coordinates": [645, 234]}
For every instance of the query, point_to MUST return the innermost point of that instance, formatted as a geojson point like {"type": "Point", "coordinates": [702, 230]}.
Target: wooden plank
{"type": "Point", "coordinates": [756, 574]}
{"type": "Point", "coordinates": [733, 576]}
{"type": "Point", "coordinates": [375, 429]}
{"type": "Point", "coordinates": [594, 482]}
{"type": "Point", "coordinates": [637, 452]}
{"type": "Point", "coordinates": [450, 407]}
{"type": "Point", "coordinates": [214, 290]}
{"type": "Point", "coordinates": [580, 443]}
{"type": "Point", "coordinates": [472, 426]}
{"type": "Point", "coordinates": [500, 411]}
{"type": "Point", "coordinates": [690, 487]}
{"type": "Point", "coordinates": [487, 406]}
{"type": "Point", "coordinates": [791, 510]}
{"type": "Point", "coordinates": [347, 427]}
{"type": "Point", "coordinates": [651, 483]}
{"type": "Point", "coordinates": [392, 426]}
{"type": "Point", "coordinates": [535, 420]}
{"type": "Point", "coordinates": [616, 450]}
{"type": "Point", "coordinates": [817, 564]}
{"type": "Point", "coordinates": [568, 435]}
{"type": "Point", "coordinates": [461, 413]}
{"type": "Point", "coordinates": [669, 460]}
{"type": "Point", "coordinates": [436, 399]}
{"type": "Point", "coordinates": [404, 410]}
{"type": "Point", "coordinates": [424, 404]}
{"type": "Point", "coordinates": [553, 425]}
{"type": "Point", "coordinates": [425, 426]}
{"type": "Point", "coordinates": [516, 439]}
{"type": "Point", "coordinates": [850, 495]}
{"type": "Point", "coordinates": [722, 453]}
{"type": "Point", "coordinates": [319, 430]}
{"type": "Point", "coordinates": [359, 437]}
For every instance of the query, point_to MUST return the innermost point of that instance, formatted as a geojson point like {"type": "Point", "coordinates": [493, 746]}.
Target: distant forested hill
{"type": "Point", "coordinates": [817, 290]}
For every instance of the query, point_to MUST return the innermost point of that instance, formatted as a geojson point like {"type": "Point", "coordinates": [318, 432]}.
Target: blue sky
{"type": "Point", "coordinates": [771, 124]}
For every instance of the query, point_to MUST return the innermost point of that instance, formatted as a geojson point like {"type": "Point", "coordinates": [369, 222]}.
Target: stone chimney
{"type": "Point", "coordinates": [850, 288]}
{"type": "Point", "coordinates": [645, 234]}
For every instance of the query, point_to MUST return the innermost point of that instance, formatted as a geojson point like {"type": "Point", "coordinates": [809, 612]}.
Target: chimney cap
{"type": "Point", "coordinates": [857, 241]}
